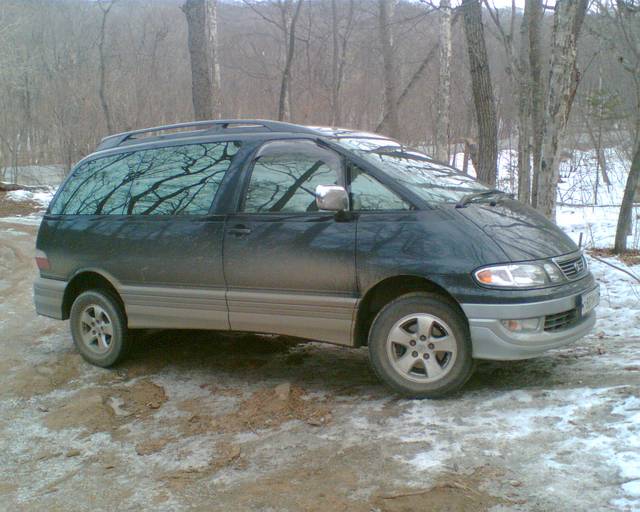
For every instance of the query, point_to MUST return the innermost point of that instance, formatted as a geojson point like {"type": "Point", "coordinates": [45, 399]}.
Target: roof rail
{"type": "Point", "coordinates": [113, 141]}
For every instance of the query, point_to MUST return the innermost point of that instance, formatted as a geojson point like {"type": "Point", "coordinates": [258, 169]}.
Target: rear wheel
{"type": "Point", "coordinates": [99, 328]}
{"type": "Point", "coordinates": [419, 345]}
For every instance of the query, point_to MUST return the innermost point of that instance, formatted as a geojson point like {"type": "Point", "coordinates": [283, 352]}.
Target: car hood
{"type": "Point", "coordinates": [519, 230]}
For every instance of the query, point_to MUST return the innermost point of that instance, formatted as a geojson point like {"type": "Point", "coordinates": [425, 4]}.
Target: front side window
{"type": "Point", "coordinates": [432, 181]}
{"type": "Point", "coordinates": [181, 180]}
{"type": "Point", "coordinates": [285, 176]}
{"type": "Point", "coordinates": [368, 194]}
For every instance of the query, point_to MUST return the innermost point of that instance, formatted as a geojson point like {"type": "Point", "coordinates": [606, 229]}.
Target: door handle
{"type": "Point", "coordinates": [239, 230]}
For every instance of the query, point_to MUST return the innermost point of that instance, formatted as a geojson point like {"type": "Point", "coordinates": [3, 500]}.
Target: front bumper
{"type": "Point", "coordinates": [492, 340]}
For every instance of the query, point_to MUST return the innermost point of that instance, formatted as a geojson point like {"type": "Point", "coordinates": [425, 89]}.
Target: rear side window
{"type": "Point", "coordinates": [181, 180]}
{"type": "Point", "coordinates": [98, 187]}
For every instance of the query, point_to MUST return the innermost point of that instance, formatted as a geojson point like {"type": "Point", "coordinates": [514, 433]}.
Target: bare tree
{"type": "Point", "coordinates": [212, 32]}
{"type": "Point", "coordinates": [390, 114]}
{"type": "Point", "coordinates": [626, 208]}
{"type": "Point", "coordinates": [625, 16]}
{"type": "Point", "coordinates": [418, 75]}
{"type": "Point", "coordinates": [563, 83]}
{"type": "Point", "coordinates": [105, 7]}
{"type": "Point", "coordinates": [482, 92]}
{"type": "Point", "coordinates": [520, 74]}
{"type": "Point", "coordinates": [339, 58]}
{"type": "Point", "coordinates": [196, 14]}
{"type": "Point", "coordinates": [289, 22]}
{"type": "Point", "coordinates": [524, 109]}
{"type": "Point", "coordinates": [444, 89]}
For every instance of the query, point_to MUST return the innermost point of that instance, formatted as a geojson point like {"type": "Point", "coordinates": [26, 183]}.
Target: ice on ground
{"type": "Point", "coordinates": [26, 220]}
{"type": "Point", "coordinates": [632, 488]}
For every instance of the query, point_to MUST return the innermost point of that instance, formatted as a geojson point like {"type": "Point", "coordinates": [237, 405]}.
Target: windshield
{"type": "Point", "coordinates": [434, 182]}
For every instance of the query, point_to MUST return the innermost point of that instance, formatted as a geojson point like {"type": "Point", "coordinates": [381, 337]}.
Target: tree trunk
{"type": "Point", "coordinates": [336, 114]}
{"type": "Point", "coordinates": [482, 92]}
{"type": "Point", "coordinates": [563, 83]}
{"type": "Point", "coordinates": [212, 32]}
{"type": "Point", "coordinates": [536, 16]}
{"type": "Point", "coordinates": [524, 112]}
{"type": "Point", "coordinates": [385, 15]}
{"type": "Point", "coordinates": [196, 14]}
{"type": "Point", "coordinates": [626, 208]}
{"type": "Point", "coordinates": [284, 102]}
{"type": "Point", "coordinates": [102, 72]}
{"type": "Point", "coordinates": [444, 92]}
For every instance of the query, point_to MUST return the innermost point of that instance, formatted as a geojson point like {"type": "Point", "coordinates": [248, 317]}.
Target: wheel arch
{"type": "Point", "coordinates": [88, 280]}
{"type": "Point", "coordinates": [383, 292]}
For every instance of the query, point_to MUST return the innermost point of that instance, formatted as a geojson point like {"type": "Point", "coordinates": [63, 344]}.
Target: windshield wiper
{"type": "Point", "coordinates": [475, 195]}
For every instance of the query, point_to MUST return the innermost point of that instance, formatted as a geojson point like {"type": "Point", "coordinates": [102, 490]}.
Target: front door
{"type": "Point", "coordinates": [289, 268]}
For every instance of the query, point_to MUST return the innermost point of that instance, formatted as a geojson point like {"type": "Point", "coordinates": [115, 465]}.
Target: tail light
{"type": "Point", "coordinates": [41, 260]}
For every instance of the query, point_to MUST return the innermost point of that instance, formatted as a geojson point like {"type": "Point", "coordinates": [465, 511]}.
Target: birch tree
{"type": "Point", "coordinates": [535, 13]}
{"type": "Point", "coordinates": [212, 33]}
{"type": "Point", "coordinates": [563, 82]}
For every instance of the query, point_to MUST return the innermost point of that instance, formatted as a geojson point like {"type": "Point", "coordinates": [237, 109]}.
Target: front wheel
{"type": "Point", "coordinates": [99, 328]}
{"type": "Point", "coordinates": [419, 345]}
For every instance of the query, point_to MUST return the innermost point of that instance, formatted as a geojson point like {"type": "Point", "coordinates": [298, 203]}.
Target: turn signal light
{"type": "Point", "coordinates": [522, 325]}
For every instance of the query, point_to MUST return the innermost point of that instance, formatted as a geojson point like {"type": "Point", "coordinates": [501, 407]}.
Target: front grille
{"type": "Point", "coordinates": [560, 321]}
{"type": "Point", "coordinates": [573, 267]}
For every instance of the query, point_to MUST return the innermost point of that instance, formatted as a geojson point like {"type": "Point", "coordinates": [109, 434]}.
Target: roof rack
{"type": "Point", "coordinates": [113, 141]}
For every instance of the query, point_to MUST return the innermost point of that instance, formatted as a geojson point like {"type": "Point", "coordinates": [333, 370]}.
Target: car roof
{"type": "Point", "coordinates": [217, 127]}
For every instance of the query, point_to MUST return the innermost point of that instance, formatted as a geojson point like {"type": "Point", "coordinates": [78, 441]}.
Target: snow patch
{"type": "Point", "coordinates": [42, 197]}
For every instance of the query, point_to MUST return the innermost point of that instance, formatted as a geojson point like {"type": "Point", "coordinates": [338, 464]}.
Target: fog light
{"type": "Point", "coordinates": [522, 325]}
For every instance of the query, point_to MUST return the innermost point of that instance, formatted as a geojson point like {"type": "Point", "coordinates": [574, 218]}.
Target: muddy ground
{"type": "Point", "coordinates": [206, 421]}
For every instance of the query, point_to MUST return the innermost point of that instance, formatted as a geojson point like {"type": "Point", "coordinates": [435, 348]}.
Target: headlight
{"type": "Point", "coordinates": [520, 275]}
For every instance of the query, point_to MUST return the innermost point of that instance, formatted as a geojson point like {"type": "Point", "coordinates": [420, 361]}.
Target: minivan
{"type": "Point", "coordinates": [334, 235]}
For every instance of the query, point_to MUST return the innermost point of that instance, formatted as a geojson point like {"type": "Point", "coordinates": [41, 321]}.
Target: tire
{"type": "Point", "coordinates": [419, 345]}
{"type": "Point", "coordinates": [99, 328]}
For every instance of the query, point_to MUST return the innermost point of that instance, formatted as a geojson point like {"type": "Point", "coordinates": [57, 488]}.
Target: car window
{"type": "Point", "coordinates": [98, 187]}
{"type": "Point", "coordinates": [368, 194]}
{"type": "Point", "coordinates": [180, 180]}
{"type": "Point", "coordinates": [285, 179]}
{"type": "Point", "coordinates": [432, 181]}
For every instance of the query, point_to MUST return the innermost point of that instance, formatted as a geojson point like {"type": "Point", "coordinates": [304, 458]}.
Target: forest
{"type": "Point", "coordinates": [554, 87]}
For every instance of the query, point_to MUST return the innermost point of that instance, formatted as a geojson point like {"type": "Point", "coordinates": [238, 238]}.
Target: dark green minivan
{"type": "Point", "coordinates": [329, 234]}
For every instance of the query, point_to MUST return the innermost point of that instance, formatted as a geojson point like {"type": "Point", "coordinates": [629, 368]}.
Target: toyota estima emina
{"type": "Point", "coordinates": [335, 235]}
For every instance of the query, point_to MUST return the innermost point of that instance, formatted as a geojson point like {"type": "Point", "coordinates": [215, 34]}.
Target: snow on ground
{"type": "Point", "coordinates": [619, 310]}
{"type": "Point", "coordinates": [41, 197]}
{"type": "Point", "coordinates": [193, 420]}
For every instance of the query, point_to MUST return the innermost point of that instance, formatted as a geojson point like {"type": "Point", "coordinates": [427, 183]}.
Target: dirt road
{"type": "Point", "coordinates": [203, 421]}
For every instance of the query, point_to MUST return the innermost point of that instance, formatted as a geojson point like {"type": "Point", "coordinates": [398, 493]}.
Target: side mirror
{"type": "Point", "coordinates": [332, 198]}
